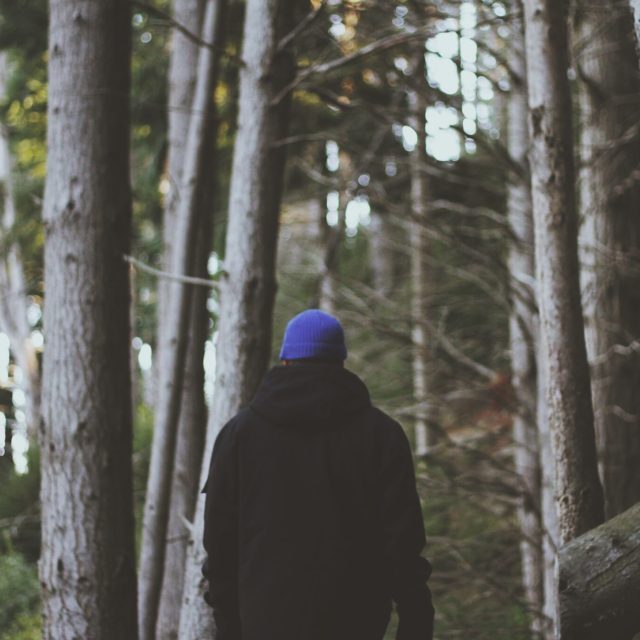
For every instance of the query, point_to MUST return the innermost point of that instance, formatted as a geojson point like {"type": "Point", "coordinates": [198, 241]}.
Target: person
{"type": "Point", "coordinates": [313, 524]}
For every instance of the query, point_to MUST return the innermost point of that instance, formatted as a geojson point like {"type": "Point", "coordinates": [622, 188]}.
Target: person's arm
{"type": "Point", "coordinates": [403, 540]}
{"type": "Point", "coordinates": [220, 537]}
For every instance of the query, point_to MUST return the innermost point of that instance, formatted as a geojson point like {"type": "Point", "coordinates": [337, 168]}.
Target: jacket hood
{"type": "Point", "coordinates": [310, 396]}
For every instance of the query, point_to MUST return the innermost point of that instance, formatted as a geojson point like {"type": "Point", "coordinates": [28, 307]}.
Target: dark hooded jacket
{"type": "Point", "coordinates": [313, 524]}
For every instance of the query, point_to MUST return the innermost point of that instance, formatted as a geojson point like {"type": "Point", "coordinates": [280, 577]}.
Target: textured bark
{"type": "Point", "coordinates": [522, 333]}
{"type": "Point", "coordinates": [188, 455]}
{"type": "Point", "coordinates": [248, 288]}
{"type": "Point", "coordinates": [610, 239]}
{"type": "Point", "coordinates": [175, 335]}
{"type": "Point", "coordinates": [425, 436]}
{"type": "Point", "coordinates": [579, 493]}
{"type": "Point", "coordinates": [193, 412]}
{"type": "Point", "coordinates": [183, 66]}
{"type": "Point", "coordinates": [13, 289]}
{"type": "Point", "coordinates": [600, 581]}
{"type": "Point", "coordinates": [87, 564]}
{"type": "Point", "coordinates": [550, 534]}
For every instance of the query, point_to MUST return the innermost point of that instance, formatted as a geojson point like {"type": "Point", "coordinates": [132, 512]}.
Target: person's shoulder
{"type": "Point", "coordinates": [387, 427]}
{"type": "Point", "coordinates": [229, 432]}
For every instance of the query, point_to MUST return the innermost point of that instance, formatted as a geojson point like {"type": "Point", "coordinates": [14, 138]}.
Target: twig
{"type": "Point", "coordinates": [203, 282]}
{"type": "Point", "coordinates": [383, 44]}
{"type": "Point", "coordinates": [309, 19]}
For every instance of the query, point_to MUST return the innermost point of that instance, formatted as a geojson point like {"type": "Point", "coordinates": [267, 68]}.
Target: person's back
{"type": "Point", "coordinates": [313, 523]}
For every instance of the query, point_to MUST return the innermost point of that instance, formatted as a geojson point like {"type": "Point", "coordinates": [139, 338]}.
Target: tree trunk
{"type": "Point", "coordinates": [248, 288]}
{"type": "Point", "coordinates": [13, 289]}
{"type": "Point", "coordinates": [610, 239]}
{"type": "Point", "coordinates": [332, 240]}
{"type": "Point", "coordinates": [87, 564]}
{"type": "Point", "coordinates": [600, 581]}
{"type": "Point", "coordinates": [175, 336]}
{"type": "Point", "coordinates": [183, 66]}
{"type": "Point", "coordinates": [550, 535]}
{"type": "Point", "coordinates": [382, 255]}
{"type": "Point", "coordinates": [193, 411]}
{"type": "Point", "coordinates": [522, 333]}
{"type": "Point", "coordinates": [421, 279]}
{"type": "Point", "coordinates": [635, 8]}
{"type": "Point", "coordinates": [579, 494]}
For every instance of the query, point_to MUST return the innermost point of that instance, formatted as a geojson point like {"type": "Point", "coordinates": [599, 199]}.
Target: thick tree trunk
{"type": "Point", "coordinates": [579, 493]}
{"type": "Point", "coordinates": [610, 239]}
{"type": "Point", "coordinates": [87, 564]}
{"type": "Point", "coordinates": [522, 333]}
{"type": "Point", "coordinates": [248, 288]}
{"type": "Point", "coordinates": [600, 581]}
{"type": "Point", "coordinates": [13, 289]}
{"type": "Point", "coordinates": [175, 336]}
{"type": "Point", "coordinates": [421, 279]}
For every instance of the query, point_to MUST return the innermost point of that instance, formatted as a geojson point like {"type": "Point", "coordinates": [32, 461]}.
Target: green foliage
{"type": "Point", "coordinates": [142, 435]}
{"type": "Point", "coordinates": [19, 509]}
{"type": "Point", "coordinates": [19, 596]}
{"type": "Point", "coordinates": [25, 627]}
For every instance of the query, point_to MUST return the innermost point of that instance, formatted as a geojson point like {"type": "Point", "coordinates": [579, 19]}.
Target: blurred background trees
{"type": "Point", "coordinates": [381, 169]}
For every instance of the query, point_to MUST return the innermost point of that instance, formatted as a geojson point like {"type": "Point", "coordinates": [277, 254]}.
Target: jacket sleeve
{"type": "Point", "coordinates": [403, 539]}
{"type": "Point", "coordinates": [220, 568]}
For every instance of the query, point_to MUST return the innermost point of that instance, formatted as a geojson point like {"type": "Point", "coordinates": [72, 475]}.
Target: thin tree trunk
{"type": "Point", "coordinates": [522, 334]}
{"type": "Point", "coordinates": [610, 239]}
{"type": "Point", "coordinates": [248, 288]}
{"type": "Point", "coordinates": [635, 8]}
{"type": "Point", "coordinates": [175, 334]}
{"type": "Point", "coordinates": [550, 535]}
{"type": "Point", "coordinates": [382, 255]}
{"type": "Point", "coordinates": [13, 288]}
{"type": "Point", "coordinates": [421, 279]}
{"type": "Point", "coordinates": [579, 493]}
{"type": "Point", "coordinates": [183, 66]}
{"type": "Point", "coordinates": [87, 564]}
{"type": "Point", "coordinates": [193, 411]}
{"type": "Point", "coordinates": [332, 239]}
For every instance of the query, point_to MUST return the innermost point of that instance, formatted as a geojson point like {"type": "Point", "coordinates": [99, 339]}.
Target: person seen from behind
{"type": "Point", "coordinates": [313, 525]}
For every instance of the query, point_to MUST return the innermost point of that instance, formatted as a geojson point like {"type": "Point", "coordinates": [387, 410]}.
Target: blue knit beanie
{"type": "Point", "coordinates": [313, 334]}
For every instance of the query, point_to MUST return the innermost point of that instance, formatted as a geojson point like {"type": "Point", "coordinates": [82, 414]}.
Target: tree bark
{"type": "Point", "coordinates": [183, 66]}
{"type": "Point", "coordinates": [248, 287]}
{"type": "Point", "coordinates": [421, 279]}
{"type": "Point", "coordinates": [610, 239]}
{"type": "Point", "coordinates": [579, 493]}
{"type": "Point", "coordinates": [635, 8]}
{"type": "Point", "coordinates": [193, 411]}
{"type": "Point", "coordinates": [550, 533]}
{"type": "Point", "coordinates": [522, 333]}
{"type": "Point", "coordinates": [13, 287]}
{"type": "Point", "coordinates": [87, 564]}
{"type": "Point", "coordinates": [175, 336]}
{"type": "Point", "coordinates": [382, 254]}
{"type": "Point", "coordinates": [600, 581]}
{"type": "Point", "coordinates": [325, 297]}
